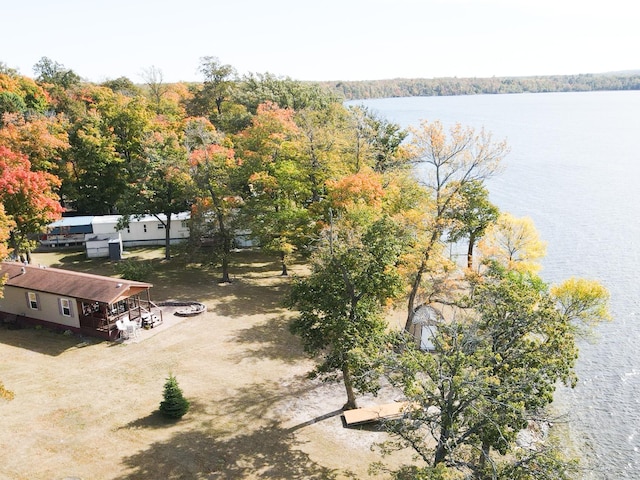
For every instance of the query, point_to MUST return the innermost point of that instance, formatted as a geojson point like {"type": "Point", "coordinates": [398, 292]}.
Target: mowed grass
{"type": "Point", "coordinates": [87, 409]}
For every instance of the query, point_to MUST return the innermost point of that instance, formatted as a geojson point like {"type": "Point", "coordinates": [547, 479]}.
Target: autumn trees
{"type": "Point", "coordinates": [28, 198]}
{"type": "Point", "coordinates": [449, 163]}
{"type": "Point", "coordinates": [374, 208]}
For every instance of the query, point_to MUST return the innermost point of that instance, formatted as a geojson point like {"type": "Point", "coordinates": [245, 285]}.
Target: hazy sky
{"type": "Point", "coordinates": [322, 40]}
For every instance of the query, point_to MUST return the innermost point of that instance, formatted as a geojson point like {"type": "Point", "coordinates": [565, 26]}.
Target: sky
{"type": "Point", "coordinates": [322, 40]}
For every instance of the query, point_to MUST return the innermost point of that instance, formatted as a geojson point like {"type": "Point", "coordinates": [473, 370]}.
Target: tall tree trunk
{"type": "Point", "coordinates": [224, 234]}
{"type": "Point", "coordinates": [226, 242]}
{"type": "Point", "coordinates": [482, 461]}
{"type": "Point", "coordinates": [412, 297]}
{"type": "Point", "coordinates": [442, 449]}
{"type": "Point", "coordinates": [472, 241]}
{"type": "Point", "coordinates": [348, 385]}
{"type": "Point", "coordinates": [167, 237]}
{"type": "Point", "coordinates": [416, 284]}
{"type": "Point", "coordinates": [284, 264]}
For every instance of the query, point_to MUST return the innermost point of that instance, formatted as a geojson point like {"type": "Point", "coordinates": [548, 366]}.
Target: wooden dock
{"type": "Point", "coordinates": [376, 413]}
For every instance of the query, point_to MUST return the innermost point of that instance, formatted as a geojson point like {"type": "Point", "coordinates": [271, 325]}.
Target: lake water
{"type": "Point", "coordinates": [574, 168]}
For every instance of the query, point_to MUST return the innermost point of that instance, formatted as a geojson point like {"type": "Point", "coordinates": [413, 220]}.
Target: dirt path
{"type": "Point", "coordinates": [87, 409]}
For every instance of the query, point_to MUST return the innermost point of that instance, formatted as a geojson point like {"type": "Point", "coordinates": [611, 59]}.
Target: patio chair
{"type": "Point", "coordinates": [131, 328]}
{"type": "Point", "coordinates": [122, 329]}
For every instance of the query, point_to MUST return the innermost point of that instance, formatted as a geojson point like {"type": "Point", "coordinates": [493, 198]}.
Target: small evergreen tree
{"type": "Point", "coordinates": [174, 404]}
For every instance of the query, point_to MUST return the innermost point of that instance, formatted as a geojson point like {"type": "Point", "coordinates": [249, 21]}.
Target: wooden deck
{"type": "Point", "coordinates": [388, 411]}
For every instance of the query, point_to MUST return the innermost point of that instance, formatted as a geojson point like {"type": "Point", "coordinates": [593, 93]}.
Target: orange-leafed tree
{"type": "Point", "coordinates": [214, 167]}
{"type": "Point", "coordinates": [29, 198]}
{"type": "Point", "coordinates": [42, 139]}
{"type": "Point", "coordinates": [362, 188]}
{"type": "Point", "coordinates": [276, 209]}
{"type": "Point", "coordinates": [6, 225]}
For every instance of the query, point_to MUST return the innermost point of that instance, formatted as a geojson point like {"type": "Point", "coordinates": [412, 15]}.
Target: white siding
{"type": "Point", "coordinates": [143, 231]}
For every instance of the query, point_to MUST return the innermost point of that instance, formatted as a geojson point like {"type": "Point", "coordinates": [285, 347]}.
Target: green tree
{"type": "Point", "coordinates": [11, 102]}
{"type": "Point", "coordinates": [494, 369]}
{"type": "Point", "coordinates": [377, 142]}
{"type": "Point", "coordinates": [340, 304]}
{"type": "Point", "coordinates": [107, 145]}
{"type": "Point", "coordinates": [257, 88]}
{"type": "Point", "coordinates": [471, 215]}
{"type": "Point", "coordinates": [97, 174]}
{"type": "Point", "coordinates": [209, 98]}
{"type": "Point", "coordinates": [173, 405]}
{"type": "Point", "coordinates": [48, 71]}
{"type": "Point", "coordinates": [123, 85]}
{"type": "Point", "coordinates": [163, 187]}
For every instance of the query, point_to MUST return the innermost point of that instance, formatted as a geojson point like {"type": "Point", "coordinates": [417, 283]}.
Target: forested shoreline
{"type": "Point", "coordinates": [425, 87]}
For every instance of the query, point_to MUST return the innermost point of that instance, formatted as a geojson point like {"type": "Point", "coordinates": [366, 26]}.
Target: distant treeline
{"type": "Point", "coordinates": [425, 87]}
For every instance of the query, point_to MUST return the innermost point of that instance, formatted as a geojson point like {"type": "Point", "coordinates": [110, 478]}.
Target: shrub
{"type": "Point", "coordinates": [4, 393]}
{"type": "Point", "coordinates": [136, 270]}
{"type": "Point", "coordinates": [174, 404]}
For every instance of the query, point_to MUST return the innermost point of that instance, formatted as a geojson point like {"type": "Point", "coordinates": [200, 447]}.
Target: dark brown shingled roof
{"type": "Point", "coordinates": [70, 284]}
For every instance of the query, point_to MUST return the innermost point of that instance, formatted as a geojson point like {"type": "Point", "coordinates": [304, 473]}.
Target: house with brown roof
{"type": "Point", "coordinates": [66, 300]}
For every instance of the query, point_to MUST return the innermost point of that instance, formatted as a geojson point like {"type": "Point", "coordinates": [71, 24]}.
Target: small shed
{"type": "Point", "coordinates": [425, 326]}
{"type": "Point", "coordinates": [104, 246]}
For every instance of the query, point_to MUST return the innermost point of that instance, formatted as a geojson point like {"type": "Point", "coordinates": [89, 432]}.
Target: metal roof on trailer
{"type": "Point", "coordinates": [73, 221]}
{"type": "Point", "coordinates": [145, 218]}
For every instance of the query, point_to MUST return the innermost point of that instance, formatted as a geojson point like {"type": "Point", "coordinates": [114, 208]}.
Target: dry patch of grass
{"type": "Point", "coordinates": [88, 409]}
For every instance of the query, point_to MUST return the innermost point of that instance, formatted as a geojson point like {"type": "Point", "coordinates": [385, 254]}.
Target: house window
{"type": "Point", "coordinates": [128, 229]}
{"type": "Point", "coordinates": [144, 228]}
{"type": "Point", "coordinates": [184, 224]}
{"type": "Point", "coordinates": [65, 307]}
{"type": "Point", "coordinates": [32, 299]}
{"type": "Point", "coordinates": [160, 226]}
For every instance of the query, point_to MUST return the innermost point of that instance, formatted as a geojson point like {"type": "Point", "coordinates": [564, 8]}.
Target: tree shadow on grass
{"type": "Point", "coordinates": [43, 340]}
{"type": "Point", "coordinates": [156, 420]}
{"type": "Point", "coordinates": [244, 297]}
{"type": "Point", "coordinates": [270, 339]}
{"type": "Point", "coordinates": [253, 443]}
{"type": "Point", "coordinates": [266, 452]}
{"type": "Point", "coordinates": [78, 262]}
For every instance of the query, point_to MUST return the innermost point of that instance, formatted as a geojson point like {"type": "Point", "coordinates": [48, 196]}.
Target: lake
{"type": "Point", "coordinates": [573, 168]}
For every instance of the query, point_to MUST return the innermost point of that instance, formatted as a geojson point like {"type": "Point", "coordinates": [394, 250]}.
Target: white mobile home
{"type": "Point", "coordinates": [67, 231]}
{"type": "Point", "coordinates": [146, 230]}
{"type": "Point", "coordinates": [143, 231]}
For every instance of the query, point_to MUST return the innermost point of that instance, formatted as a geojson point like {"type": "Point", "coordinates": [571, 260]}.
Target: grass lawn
{"type": "Point", "coordinates": [87, 409]}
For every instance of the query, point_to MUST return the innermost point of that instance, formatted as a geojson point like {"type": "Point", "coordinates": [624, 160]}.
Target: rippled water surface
{"type": "Point", "coordinates": [574, 168]}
